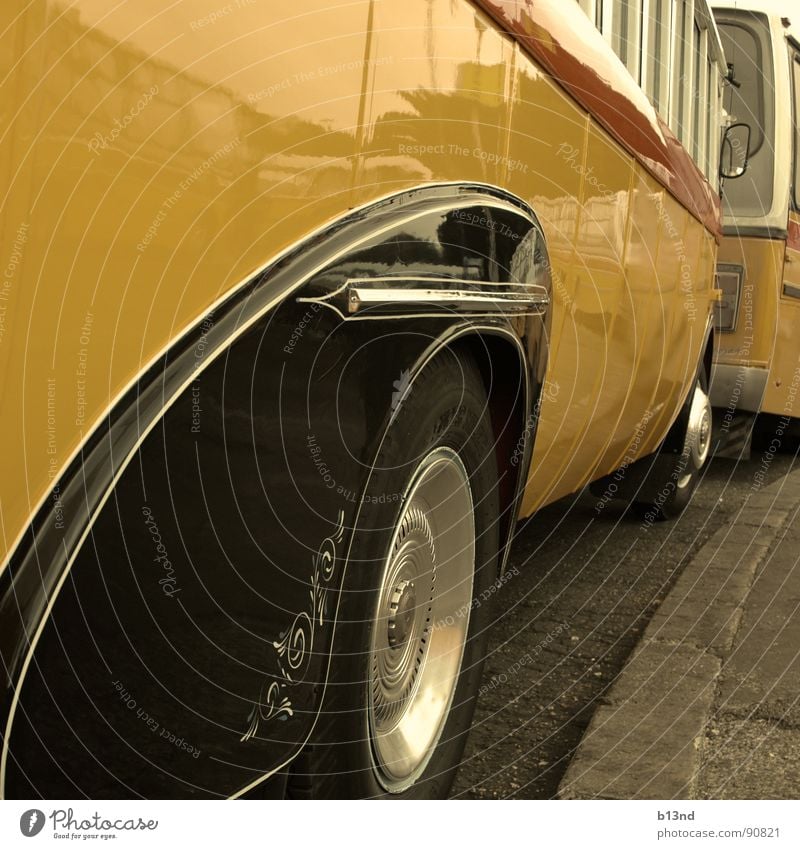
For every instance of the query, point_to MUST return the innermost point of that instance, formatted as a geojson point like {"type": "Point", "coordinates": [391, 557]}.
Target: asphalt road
{"type": "Point", "coordinates": [585, 587]}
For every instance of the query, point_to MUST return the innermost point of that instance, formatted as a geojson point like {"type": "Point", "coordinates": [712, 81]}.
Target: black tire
{"type": "Point", "coordinates": [446, 408]}
{"type": "Point", "coordinates": [675, 473]}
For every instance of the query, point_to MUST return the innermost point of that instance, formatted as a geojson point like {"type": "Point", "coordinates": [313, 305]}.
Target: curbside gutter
{"type": "Point", "coordinates": [646, 740]}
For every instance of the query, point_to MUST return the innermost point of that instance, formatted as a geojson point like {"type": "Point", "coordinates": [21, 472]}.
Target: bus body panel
{"type": "Point", "coordinates": [151, 168]}
{"type": "Point", "coordinates": [743, 356]}
{"type": "Point", "coordinates": [177, 157]}
{"type": "Point", "coordinates": [576, 55]}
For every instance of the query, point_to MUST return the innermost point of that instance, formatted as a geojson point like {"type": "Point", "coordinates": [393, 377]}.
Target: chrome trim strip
{"type": "Point", "coordinates": [387, 297]}
{"type": "Point", "coordinates": [362, 295]}
{"type": "Point", "coordinates": [791, 290]}
{"type": "Point", "coordinates": [432, 281]}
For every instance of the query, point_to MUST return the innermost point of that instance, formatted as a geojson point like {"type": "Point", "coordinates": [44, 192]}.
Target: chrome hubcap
{"type": "Point", "coordinates": [698, 434]}
{"type": "Point", "coordinates": [421, 619]}
{"type": "Point", "coordinates": [402, 609]}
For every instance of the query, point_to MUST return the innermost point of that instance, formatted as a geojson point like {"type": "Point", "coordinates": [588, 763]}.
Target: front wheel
{"type": "Point", "coordinates": [421, 620]}
{"type": "Point", "coordinates": [411, 631]}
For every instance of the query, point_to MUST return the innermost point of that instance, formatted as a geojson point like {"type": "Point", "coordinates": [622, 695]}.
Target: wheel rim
{"type": "Point", "coordinates": [422, 619]}
{"type": "Point", "coordinates": [698, 434]}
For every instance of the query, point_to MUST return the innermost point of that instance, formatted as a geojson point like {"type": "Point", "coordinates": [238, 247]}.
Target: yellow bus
{"type": "Point", "coordinates": [757, 361]}
{"type": "Point", "coordinates": [302, 309]}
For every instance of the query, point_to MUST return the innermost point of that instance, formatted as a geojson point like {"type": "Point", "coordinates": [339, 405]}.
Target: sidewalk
{"type": "Point", "coordinates": [708, 706]}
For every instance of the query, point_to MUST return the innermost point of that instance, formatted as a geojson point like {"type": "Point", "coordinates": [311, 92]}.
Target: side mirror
{"type": "Point", "coordinates": [735, 153]}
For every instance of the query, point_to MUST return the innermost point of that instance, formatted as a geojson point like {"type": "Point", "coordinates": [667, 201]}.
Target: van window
{"type": "Point", "coordinates": [746, 45]}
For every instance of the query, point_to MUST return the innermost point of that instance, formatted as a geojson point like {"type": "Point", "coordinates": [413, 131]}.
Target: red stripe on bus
{"type": "Point", "coordinates": [565, 43]}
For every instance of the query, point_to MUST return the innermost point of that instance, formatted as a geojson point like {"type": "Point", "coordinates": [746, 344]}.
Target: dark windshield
{"type": "Point", "coordinates": [745, 40]}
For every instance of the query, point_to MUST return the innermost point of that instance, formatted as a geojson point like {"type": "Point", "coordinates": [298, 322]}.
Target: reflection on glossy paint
{"type": "Point", "coordinates": [160, 156]}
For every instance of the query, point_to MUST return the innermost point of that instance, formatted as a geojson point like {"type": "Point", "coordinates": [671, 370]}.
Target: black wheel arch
{"type": "Point", "coordinates": [252, 326]}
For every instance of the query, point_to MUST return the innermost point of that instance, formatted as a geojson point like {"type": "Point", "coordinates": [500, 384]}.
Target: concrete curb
{"type": "Point", "coordinates": [645, 741]}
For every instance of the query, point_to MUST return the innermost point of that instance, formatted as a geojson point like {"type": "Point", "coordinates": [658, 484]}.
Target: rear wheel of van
{"type": "Point", "coordinates": [675, 474]}
{"type": "Point", "coordinates": [411, 628]}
